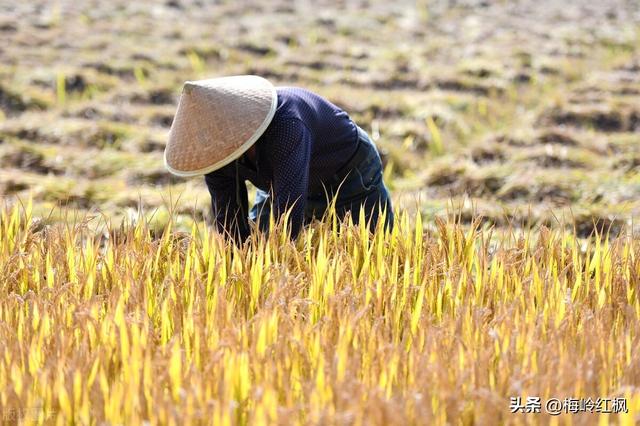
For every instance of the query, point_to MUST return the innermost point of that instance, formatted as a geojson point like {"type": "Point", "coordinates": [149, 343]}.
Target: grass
{"type": "Point", "coordinates": [420, 326]}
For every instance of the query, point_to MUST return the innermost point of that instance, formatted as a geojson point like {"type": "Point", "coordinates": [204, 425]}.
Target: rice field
{"type": "Point", "coordinates": [508, 132]}
{"type": "Point", "coordinates": [434, 324]}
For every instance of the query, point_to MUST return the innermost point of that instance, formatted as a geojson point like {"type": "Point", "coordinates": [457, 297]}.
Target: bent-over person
{"type": "Point", "coordinates": [297, 148]}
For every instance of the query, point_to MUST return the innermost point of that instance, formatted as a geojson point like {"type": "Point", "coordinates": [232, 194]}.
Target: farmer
{"type": "Point", "coordinates": [297, 148]}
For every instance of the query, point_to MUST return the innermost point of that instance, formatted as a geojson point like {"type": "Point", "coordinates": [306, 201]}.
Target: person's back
{"type": "Point", "coordinates": [334, 135]}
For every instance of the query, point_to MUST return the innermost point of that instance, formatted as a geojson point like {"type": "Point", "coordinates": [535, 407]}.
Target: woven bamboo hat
{"type": "Point", "coordinates": [217, 121]}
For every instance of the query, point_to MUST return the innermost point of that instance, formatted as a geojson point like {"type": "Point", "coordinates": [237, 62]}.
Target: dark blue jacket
{"type": "Point", "coordinates": [307, 141]}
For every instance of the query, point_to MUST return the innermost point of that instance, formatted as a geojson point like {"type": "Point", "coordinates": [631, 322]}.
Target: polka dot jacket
{"type": "Point", "coordinates": [307, 141]}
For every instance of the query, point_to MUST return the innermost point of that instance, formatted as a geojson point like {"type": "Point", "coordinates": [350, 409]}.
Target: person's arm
{"type": "Point", "coordinates": [290, 154]}
{"type": "Point", "coordinates": [229, 204]}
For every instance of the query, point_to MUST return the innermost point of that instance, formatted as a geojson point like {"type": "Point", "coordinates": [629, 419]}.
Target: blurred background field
{"type": "Point", "coordinates": [521, 111]}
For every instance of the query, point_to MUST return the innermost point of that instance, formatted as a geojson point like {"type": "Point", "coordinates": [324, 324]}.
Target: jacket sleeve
{"type": "Point", "coordinates": [229, 203]}
{"type": "Point", "coordinates": [290, 156]}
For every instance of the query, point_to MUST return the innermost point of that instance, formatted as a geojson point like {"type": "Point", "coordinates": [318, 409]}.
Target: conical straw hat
{"type": "Point", "coordinates": [217, 121]}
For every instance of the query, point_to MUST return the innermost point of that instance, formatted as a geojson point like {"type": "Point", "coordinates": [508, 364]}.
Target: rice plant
{"type": "Point", "coordinates": [436, 325]}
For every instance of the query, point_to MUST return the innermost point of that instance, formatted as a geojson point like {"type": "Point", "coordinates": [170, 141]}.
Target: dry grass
{"type": "Point", "coordinates": [437, 326]}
